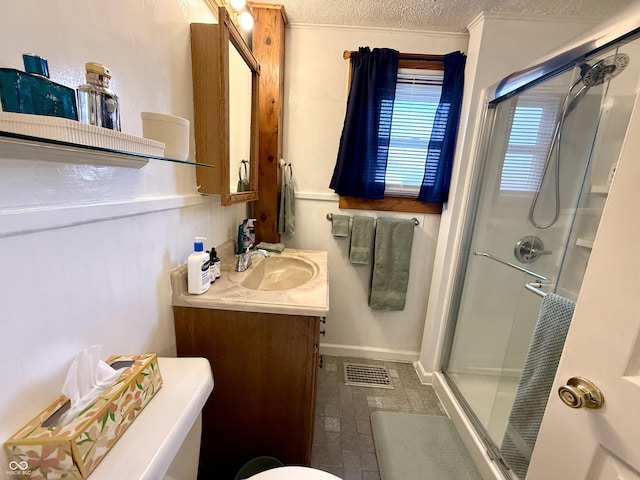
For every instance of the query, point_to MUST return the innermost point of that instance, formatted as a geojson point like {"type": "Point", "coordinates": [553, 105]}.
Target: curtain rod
{"type": "Point", "coordinates": [406, 56]}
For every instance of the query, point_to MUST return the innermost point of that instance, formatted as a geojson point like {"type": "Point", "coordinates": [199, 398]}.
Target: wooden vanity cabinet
{"type": "Point", "coordinates": [263, 400]}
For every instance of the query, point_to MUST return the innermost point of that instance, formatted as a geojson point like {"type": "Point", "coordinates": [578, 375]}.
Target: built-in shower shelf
{"type": "Point", "coordinates": [582, 242]}
{"type": "Point", "coordinates": [599, 189]}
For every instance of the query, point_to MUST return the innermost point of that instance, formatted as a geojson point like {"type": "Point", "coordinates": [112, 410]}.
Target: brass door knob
{"type": "Point", "coordinates": [580, 392]}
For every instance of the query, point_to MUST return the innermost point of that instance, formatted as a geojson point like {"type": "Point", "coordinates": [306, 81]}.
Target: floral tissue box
{"type": "Point", "coordinates": [43, 450]}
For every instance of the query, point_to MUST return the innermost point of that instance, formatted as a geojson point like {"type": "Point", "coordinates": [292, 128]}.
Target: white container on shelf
{"type": "Point", "coordinates": [171, 130]}
{"type": "Point", "coordinates": [72, 131]}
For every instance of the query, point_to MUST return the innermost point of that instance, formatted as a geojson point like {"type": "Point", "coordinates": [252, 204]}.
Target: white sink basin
{"type": "Point", "coordinates": [279, 273]}
{"type": "Point", "coordinates": [294, 282]}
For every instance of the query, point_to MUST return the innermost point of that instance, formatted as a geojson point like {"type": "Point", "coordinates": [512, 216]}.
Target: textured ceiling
{"type": "Point", "coordinates": [435, 15]}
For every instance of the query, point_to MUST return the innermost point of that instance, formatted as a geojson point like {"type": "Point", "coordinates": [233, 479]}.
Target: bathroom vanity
{"type": "Point", "coordinates": [262, 342]}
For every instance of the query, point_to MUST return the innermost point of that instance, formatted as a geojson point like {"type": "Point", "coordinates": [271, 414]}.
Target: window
{"type": "Point", "coordinates": [419, 126]}
{"type": "Point", "coordinates": [414, 110]}
{"type": "Point", "coordinates": [418, 90]}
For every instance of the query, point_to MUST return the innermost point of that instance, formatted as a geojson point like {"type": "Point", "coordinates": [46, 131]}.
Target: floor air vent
{"type": "Point", "coordinates": [366, 376]}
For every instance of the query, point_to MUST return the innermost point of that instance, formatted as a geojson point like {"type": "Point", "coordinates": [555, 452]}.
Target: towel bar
{"type": "Point", "coordinates": [535, 288]}
{"type": "Point", "coordinates": [513, 265]}
{"type": "Point", "coordinates": [415, 220]}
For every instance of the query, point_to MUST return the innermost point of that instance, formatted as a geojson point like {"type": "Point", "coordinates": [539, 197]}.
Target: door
{"type": "Point", "coordinates": [603, 345]}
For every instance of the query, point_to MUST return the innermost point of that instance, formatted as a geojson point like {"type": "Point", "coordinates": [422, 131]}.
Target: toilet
{"type": "Point", "coordinates": [164, 440]}
{"type": "Point", "coordinates": [293, 473]}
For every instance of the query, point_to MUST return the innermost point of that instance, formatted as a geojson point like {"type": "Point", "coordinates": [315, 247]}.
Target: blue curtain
{"type": "Point", "coordinates": [362, 156]}
{"type": "Point", "coordinates": [437, 172]}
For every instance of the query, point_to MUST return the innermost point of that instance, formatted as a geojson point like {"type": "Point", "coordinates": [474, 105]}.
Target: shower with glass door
{"type": "Point", "coordinates": [549, 147]}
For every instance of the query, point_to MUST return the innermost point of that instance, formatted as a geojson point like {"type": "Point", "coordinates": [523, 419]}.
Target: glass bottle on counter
{"type": "Point", "coordinates": [97, 104]}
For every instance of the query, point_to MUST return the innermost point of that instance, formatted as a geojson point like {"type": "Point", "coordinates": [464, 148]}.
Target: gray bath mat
{"type": "Point", "coordinates": [420, 447]}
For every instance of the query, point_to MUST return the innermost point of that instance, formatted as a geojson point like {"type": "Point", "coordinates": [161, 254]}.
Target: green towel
{"type": "Point", "coordinates": [287, 214]}
{"type": "Point", "coordinates": [243, 181]}
{"type": "Point", "coordinates": [392, 259]}
{"type": "Point", "coordinates": [340, 225]}
{"type": "Point", "coordinates": [271, 247]}
{"type": "Point", "coordinates": [243, 185]}
{"type": "Point", "coordinates": [361, 240]}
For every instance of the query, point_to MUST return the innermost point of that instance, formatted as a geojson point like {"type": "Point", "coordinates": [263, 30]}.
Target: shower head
{"type": "Point", "coordinates": [596, 74]}
{"type": "Point", "coordinates": [603, 70]}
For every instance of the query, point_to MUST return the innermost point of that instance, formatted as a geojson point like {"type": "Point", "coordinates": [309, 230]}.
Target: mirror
{"type": "Point", "coordinates": [240, 77]}
{"type": "Point", "coordinates": [225, 98]}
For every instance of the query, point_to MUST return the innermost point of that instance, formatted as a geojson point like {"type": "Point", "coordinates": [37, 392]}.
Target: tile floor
{"type": "Point", "coordinates": [343, 441]}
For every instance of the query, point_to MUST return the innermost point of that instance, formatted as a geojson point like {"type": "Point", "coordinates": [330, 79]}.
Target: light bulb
{"type": "Point", "coordinates": [238, 4]}
{"type": "Point", "coordinates": [246, 21]}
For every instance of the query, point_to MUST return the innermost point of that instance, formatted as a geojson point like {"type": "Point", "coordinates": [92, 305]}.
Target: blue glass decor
{"type": "Point", "coordinates": [32, 92]}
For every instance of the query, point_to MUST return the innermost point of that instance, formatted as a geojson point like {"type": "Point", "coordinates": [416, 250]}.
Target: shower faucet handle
{"type": "Point", "coordinates": [529, 248]}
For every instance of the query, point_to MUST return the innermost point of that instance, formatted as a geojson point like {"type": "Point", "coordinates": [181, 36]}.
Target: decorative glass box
{"type": "Point", "coordinates": [44, 450]}
{"type": "Point", "coordinates": [22, 92]}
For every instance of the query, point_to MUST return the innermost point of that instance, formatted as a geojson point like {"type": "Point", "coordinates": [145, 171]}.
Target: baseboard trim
{"type": "Point", "coordinates": [426, 378]}
{"type": "Point", "coordinates": [370, 353]}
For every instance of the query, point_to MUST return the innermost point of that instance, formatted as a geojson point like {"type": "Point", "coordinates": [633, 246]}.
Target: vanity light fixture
{"type": "Point", "coordinates": [246, 21]}
{"type": "Point", "coordinates": [238, 5]}
{"type": "Point", "coordinates": [239, 13]}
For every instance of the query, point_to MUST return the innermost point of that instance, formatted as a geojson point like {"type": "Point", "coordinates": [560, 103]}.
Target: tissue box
{"type": "Point", "coordinates": [42, 450]}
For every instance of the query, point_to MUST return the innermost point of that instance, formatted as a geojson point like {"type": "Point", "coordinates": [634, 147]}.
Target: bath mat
{"type": "Point", "coordinates": [420, 447]}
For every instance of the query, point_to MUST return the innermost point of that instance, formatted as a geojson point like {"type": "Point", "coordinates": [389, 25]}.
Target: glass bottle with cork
{"type": "Point", "coordinates": [97, 104]}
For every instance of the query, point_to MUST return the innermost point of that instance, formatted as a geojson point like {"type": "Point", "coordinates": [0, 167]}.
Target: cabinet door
{"type": "Point", "coordinates": [264, 385]}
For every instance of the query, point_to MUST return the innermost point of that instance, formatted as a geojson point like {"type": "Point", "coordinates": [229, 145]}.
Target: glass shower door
{"type": "Point", "coordinates": [520, 237]}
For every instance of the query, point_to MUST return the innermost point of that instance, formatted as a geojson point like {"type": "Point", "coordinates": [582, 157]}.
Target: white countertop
{"type": "Point", "coordinates": [148, 446]}
{"type": "Point", "coordinates": [227, 293]}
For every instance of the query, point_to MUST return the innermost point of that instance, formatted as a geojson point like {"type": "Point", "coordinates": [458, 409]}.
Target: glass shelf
{"type": "Point", "coordinates": [18, 146]}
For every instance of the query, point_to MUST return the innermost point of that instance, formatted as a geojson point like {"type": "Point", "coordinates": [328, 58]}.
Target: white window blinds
{"type": "Point", "coordinates": [414, 110]}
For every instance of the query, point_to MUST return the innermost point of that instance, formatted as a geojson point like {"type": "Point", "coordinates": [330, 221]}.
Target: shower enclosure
{"type": "Point", "coordinates": [548, 153]}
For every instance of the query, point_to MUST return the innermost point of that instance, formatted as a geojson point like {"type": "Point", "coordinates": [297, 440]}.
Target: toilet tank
{"type": "Point", "coordinates": [164, 440]}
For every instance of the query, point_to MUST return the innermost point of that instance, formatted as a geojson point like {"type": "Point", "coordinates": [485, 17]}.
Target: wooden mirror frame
{"type": "Point", "coordinates": [210, 64]}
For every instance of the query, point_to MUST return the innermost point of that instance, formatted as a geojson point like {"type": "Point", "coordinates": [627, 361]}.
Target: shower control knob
{"type": "Point", "coordinates": [580, 392]}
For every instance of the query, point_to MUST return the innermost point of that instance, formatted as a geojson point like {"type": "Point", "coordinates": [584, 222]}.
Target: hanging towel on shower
{"type": "Point", "coordinates": [535, 384]}
{"type": "Point", "coordinates": [391, 262]}
{"type": "Point", "coordinates": [340, 225]}
{"type": "Point", "coordinates": [361, 240]}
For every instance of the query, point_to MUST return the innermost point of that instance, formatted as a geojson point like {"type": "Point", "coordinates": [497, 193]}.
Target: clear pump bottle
{"type": "Point", "coordinates": [97, 104]}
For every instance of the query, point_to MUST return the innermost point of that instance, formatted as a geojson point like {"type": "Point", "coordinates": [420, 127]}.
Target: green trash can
{"type": "Point", "coordinates": [257, 465]}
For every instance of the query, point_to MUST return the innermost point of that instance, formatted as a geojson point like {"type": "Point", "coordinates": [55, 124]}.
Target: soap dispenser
{"type": "Point", "coordinates": [198, 280]}
{"type": "Point", "coordinates": [248, 233]}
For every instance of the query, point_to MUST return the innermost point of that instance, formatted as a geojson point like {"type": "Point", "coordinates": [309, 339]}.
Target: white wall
{"type": "Point", "coordinates": [316, 86]}
{"type": "Point", "coordinates": [95, 267]}
{"type": "Point", "coordinates": [498, 45]}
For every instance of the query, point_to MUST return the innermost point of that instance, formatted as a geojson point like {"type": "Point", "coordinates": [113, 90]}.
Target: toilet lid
{"type": "Point", "coordinates": [293, 473]}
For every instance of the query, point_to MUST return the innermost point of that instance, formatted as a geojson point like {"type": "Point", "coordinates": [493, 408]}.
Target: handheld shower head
{"type": "Point", "coordinates": [603, 70]}
{"type": "Point", "coordinates": [590, 76]}
{"type": "Point", "coordinates": [596, 74]}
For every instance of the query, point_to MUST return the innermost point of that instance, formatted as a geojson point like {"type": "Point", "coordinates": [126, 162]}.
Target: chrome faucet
{"type": "Point", "coordinates": [243, 260]}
